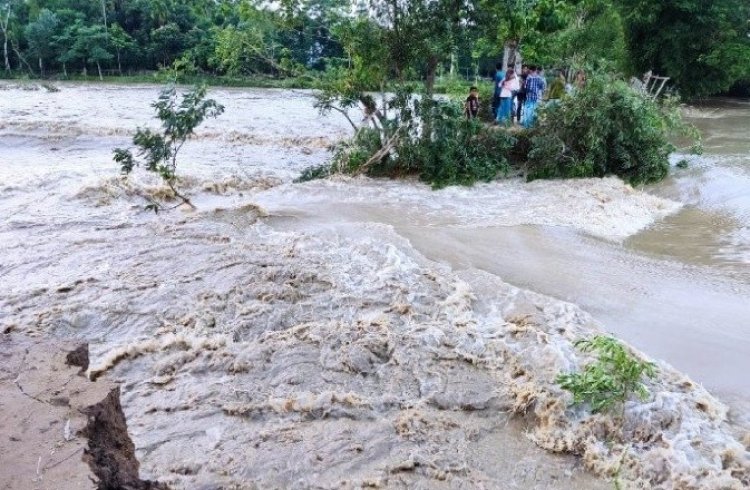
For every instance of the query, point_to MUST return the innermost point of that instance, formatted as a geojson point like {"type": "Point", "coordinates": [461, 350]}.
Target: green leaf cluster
{"type": "Point", "coordinates": [704, 46]}
{"type": "Point", "coordinates": [611, 380]}
{"type": "Point", "coordinates": [157, 151]}
{"type": "Point", "coordinates": [607, 128]}
{"type": "Point", "coordinates": [452, 151]}
{"type": "Point", "coordinates": [459, 151]}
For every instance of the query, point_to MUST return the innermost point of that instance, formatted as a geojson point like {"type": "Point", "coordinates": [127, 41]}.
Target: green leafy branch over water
{"type": "Point", "coordinates": [158, 150]}
{"type": "Point", "coordinates": [611, 380]}
{"type": "Point", "coordinates": [608, 128]}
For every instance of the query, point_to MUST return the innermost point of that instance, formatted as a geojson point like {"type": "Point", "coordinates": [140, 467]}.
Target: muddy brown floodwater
{"type": "Point", "coordinates": [354, 332]}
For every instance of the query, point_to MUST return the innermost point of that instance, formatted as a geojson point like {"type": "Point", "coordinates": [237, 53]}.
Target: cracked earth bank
{"type": "Point", "coordinates": [256, 358]}
{"type": "Point", "coordinates": [59, 430]}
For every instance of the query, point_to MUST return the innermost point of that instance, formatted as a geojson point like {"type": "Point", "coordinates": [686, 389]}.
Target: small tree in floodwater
{"type": "Point", "coordinates": [157, 151]}
{"type": "Point", "coordinates": [615, 377]}
{"type": "Point", "coordinates": [610, 381]}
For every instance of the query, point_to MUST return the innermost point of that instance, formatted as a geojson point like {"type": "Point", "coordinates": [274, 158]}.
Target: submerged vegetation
{"type": "Point", "coordinates": [608, 128]}
{"type": "Point", "coordinates": [455, 151]}
{"type": "Point", "coordinates": [158, 150]}
{"type": "Point", "coordinates": [610, 381]}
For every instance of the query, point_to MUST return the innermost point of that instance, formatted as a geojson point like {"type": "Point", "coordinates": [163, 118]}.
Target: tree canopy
{"type": "Point", "coordinates": [703, 46]}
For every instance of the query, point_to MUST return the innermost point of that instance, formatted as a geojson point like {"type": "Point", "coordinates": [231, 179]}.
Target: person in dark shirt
{"type": "Point", "coordinates": [471, 107]}
{"type": "Point", "coordinates": [521, 95]}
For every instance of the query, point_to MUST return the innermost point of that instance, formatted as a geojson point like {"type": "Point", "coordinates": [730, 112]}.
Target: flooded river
{"type": "Point", "coordinates": [354, 332]}
{"type": "Point", "coordinates": [677, 287]}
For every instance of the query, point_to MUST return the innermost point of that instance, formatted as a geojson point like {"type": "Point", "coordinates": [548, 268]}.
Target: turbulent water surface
{"type": "Point", "coordinates": [355, 332]}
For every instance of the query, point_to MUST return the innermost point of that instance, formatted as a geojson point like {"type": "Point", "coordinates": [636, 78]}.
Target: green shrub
{"type": "Point", "coordinates": [459, 151]}
{"type": "Point", "coordinates": [519, 153]}
{"type": "Point", "coordinates": [611, 380]}
{"type": "Point", "coordinates": [351, 155]}
{"type": "Point", "coordinates": [486, 91]}
{"type": "Point", "coordinates": [314, 172]}
{"type": "Point", "coordinates": [605, 129]}
{"type": "Point", "coordinates": [452, 151]}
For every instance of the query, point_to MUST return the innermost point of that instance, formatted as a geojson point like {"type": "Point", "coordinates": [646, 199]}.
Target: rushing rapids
{"type": "Point", "coordinates": [353, 332]}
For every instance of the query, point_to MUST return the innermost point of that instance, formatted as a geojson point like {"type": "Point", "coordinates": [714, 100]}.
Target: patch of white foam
{"type": "Point", "coordinates": [106, 110]}
{"type": "Point", "coordinates": [606, 208]}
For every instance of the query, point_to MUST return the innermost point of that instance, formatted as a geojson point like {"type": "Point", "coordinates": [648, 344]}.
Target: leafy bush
{"type": "Point", "coordinates": [458, 151]}
{"type": "Point", "coordinates": [352, 155]}
{"type": "Point", "coordinates": [159, 150]}
{"type": "Point", "coordinates": [605, 129]}
{"type": "Point", "coordinates": [425, 137]}
{"type": "Point", "coordinates": [611, 380]}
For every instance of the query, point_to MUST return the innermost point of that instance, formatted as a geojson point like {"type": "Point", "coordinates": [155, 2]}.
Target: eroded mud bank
{"type": "Point", "coordinates": [59, 429]}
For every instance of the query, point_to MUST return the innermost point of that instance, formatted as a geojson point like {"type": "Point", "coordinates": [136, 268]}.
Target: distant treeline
{"type": "Point", "coordinates": [703, 46]}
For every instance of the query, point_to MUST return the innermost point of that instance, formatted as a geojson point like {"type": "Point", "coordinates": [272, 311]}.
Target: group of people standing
{"type": "Point", "coordinates": [517, 96]}
{"type": "Point", "coordinates": [526, 88]}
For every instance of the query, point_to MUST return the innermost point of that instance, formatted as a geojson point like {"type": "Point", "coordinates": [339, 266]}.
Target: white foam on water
{"type": "Point", "coordinates": [606, 208]}
{"type": "Point", "coordinates": [319, 358]}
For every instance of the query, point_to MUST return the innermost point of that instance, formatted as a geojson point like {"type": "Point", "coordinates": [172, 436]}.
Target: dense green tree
{"type": "Point", "coordinates": [703, 46]}
{"type": "Point", "coordinates": [90, 44]}
{"type": "Point", "coordinates": [522, 26]}
{"type": "Point", "coordinates": [252, 46]}
{"type": "Point", "coordinates": [167, 42]}
{"type": "Point", "coordinates": [40, 36]}
{"type": "Point", "coordinates": [14, 15]}
{"type": "Point", "coordinates": [596, 36]}
{"type": "Point", "coordinates": [306, 29]}
{"type": "Point", "coordinates": [5, 13]}
{"type": "Point", "coordinates": [122, 43]}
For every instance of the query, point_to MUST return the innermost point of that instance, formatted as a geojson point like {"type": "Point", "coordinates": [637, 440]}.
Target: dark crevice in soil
{"type": "Point", "coordinates": [111, 453]}
{"type": "Point", "coordinates": [79, 357]}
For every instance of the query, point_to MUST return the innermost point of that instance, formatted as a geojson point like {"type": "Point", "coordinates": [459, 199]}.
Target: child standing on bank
{"type": "Point", "coordinates": [471, 106]}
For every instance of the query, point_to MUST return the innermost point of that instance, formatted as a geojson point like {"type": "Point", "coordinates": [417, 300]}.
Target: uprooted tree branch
{"type": "Point", "coordinates": [159, 150]}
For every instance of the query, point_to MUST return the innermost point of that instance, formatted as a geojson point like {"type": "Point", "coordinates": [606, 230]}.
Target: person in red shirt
{"type": "Point", "coordinates": [471, 106]}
